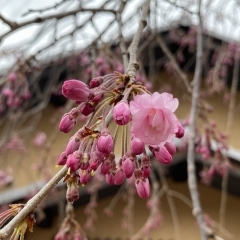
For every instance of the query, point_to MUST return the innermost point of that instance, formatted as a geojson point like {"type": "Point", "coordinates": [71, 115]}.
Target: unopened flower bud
{"type": "Point", "coordinates": [110, 178]}
{"type": "Point", "coordinates": [105, 167]}
{"type": "Point", "coordinates": [67, 123]}
{"type": "Point", "coordinates": [62, 159]}
{"type": "Point", "coordinates": [146, 166]}
{"type": "Point", "coordinates": [143, 187]}
{"type": "Point", "coordinates": [96, 82]}
{"type": "Point", "coordinates": [75, 90]}
{"type": "Point", "coordinates": [72, 146]}
{"type": "Point", "coordinates": [87, 109]}
{"type": "Point", "coordinates": [119, 177]}
{"type": "Point", "coordinates": [73, 161]}
{"type": "Point", "coordinates": [72, 193]}
{"type": "Point", "coordinates": [180, 132]}
{"type": "Point", "coordinates": [12, 77]}
{"type": "Point", "coordinates": [162, 155]}
{"type": "Point", "coordinates": [85, 176]}
{"type": "Point", "coordinates": [121, 113]}
{"type": "Point", "coordinates": [170, 146]}
{"type": "Point", "coordinates": [128, 166]}
{"type": "Point", "coordinates": [137, 147]}
{"type": "Point", "coordinates": [105, 144]}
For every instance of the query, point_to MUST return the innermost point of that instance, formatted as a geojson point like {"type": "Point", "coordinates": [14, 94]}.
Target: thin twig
{"type": "Point", "coordinates": [32, 203]}
{"type": "Point", "coordinates": [192, 182]}
{"type": "Point", "coordinates": [172, 59]}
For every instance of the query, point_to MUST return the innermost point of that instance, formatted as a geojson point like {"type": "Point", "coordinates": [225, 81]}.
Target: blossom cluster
{"type": "Point", "coordinates": [146, 122]}
{"type": "Point", "coordinates": [14, 92]}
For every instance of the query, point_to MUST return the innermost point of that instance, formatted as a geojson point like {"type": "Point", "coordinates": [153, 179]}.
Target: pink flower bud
{"type": "Point", "coordinates": [67, 123]}
{"type": "Point", "coordinates": [12, 77]}
{"type": "Point", "coordinates": [84, 164]}
{"type": "Point", "coordinates": [26, 95]}
{"type": "Point", "coordinates": [137, 147]}
{"type": "Point", "coordinates": [105, 167]}
{"type": "Point", "coordinates": [110, 178]}
{"type": "Point", "coordinates": [73, 161]}
{"type": "Point", "coordinates": [121, 113]}
{"type": "Point", "coordinates": [97, 99]}
{"type": "Point", "coordinates": [40, 139]}
{"type": "Point", "coordinates": [72, 193]}
{"type": "Point", "coordinates": [119, 176]}
{"type": "Point", "coordinates": [96, 82]}
{"type": "Point", "coordinates": [62, 159]}
{"type": "Point", "coordinates": [128, 166]}
{"type": "Point", "coordinates": [143, 187]}
{"type": "Point", "coordinates": [75, 90]}
{"type": "Point", "coordinates": [87, 109]}
{"type": "Point", "coordinates": [162, 155]}
{"type": "Point", "coordinates": [180, 132]}
{"type": "Point", "coordinates": [146, 166]}
{"type": "Point", "coordinates": [85, 176]}
{"type": "Point", "coordinates": [95, 159]}
{"type": "Point", "coordinates": [7, 92]}
{"type": "Point", "coordinates": [72, 146]}
{"type": "Point", "coordinates": [105, 144]}
{"type": "Point", "coordinates": [170, 147]}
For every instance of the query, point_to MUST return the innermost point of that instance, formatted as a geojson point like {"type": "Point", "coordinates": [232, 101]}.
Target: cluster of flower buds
{"type": "Point", "coordinates": [14, 92]}
{"type": "Point", "coordinates": [219, 164]}
{"type": "Point", "coordinates": [104, 65]}
{"type": "Point", "coordinates": [144, 120]}
{"type": "Point", "coordinates": [70, 228]}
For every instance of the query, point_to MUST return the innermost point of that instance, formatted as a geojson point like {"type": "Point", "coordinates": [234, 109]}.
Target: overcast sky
{"type": "Point", "coordinates": [221, 18]}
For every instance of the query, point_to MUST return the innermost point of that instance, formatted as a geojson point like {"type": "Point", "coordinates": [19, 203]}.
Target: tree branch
{"type": "Point", "coordinates": [32, 203]}
{"type": "Point", "coordinates": [192, 182]}
{"type": "Point", "coordinates": [133, 49]}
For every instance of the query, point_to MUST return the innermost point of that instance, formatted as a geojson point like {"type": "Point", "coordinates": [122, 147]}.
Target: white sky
{"type": "Point", "coordinates": [221, 18]}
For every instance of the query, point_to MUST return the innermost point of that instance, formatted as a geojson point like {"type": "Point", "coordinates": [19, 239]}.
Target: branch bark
{"type": "Point", "coordinates": [32, 203]}
{"type": "Point", "coordinates": [192, 182]}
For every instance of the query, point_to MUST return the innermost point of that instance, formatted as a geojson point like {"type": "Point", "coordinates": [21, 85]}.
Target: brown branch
{"type": "Point", "coordinates": [133, 49]}
{"type": "Point", "coordinates": [57, 16]}
{"type": "Point", "coordinates": [32, 203]}
{"type": "Point", "coordinates": [121, 40]}
{"type": "Point", "coordinates": [178, 6]}
{"type": "Point", "coordinates": [11, 24]}
{"type": "Point", "coordinates": [192, 182]}
{"type": "Point", "coordinates": [172, 59]}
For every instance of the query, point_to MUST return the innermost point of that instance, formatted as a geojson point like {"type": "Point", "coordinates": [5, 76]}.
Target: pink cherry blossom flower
{"type": "Point", "coordinates": [75, 90]}
{"type": "Point", "coordinates": [153, 120]}
{"type": "Point", "coordinates": [40, 139]}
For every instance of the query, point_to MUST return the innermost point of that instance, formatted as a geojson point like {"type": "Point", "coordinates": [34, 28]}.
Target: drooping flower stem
{"type": "Point", "coordinates": [192, 182]}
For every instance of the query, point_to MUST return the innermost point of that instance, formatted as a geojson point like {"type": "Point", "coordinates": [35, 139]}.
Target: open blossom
{"type": "Point", "coordinates": [75, 90]}
{"type": "Point", "coordinates": [153, 118]}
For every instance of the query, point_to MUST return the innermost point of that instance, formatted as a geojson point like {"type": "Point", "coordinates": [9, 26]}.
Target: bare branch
{"type": "Point", "coordinates": [53, 16]}
{"type": "Point", "coordinates": [172, 59]}
{"type": "Point", "coordinates": [11, 24]}
{"type": "Point", "coordinates": [32, 203]}
{"type": "Point", "coordinates": [192, 182]}
{"type": "Point", "coordinates": [133, 49]}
